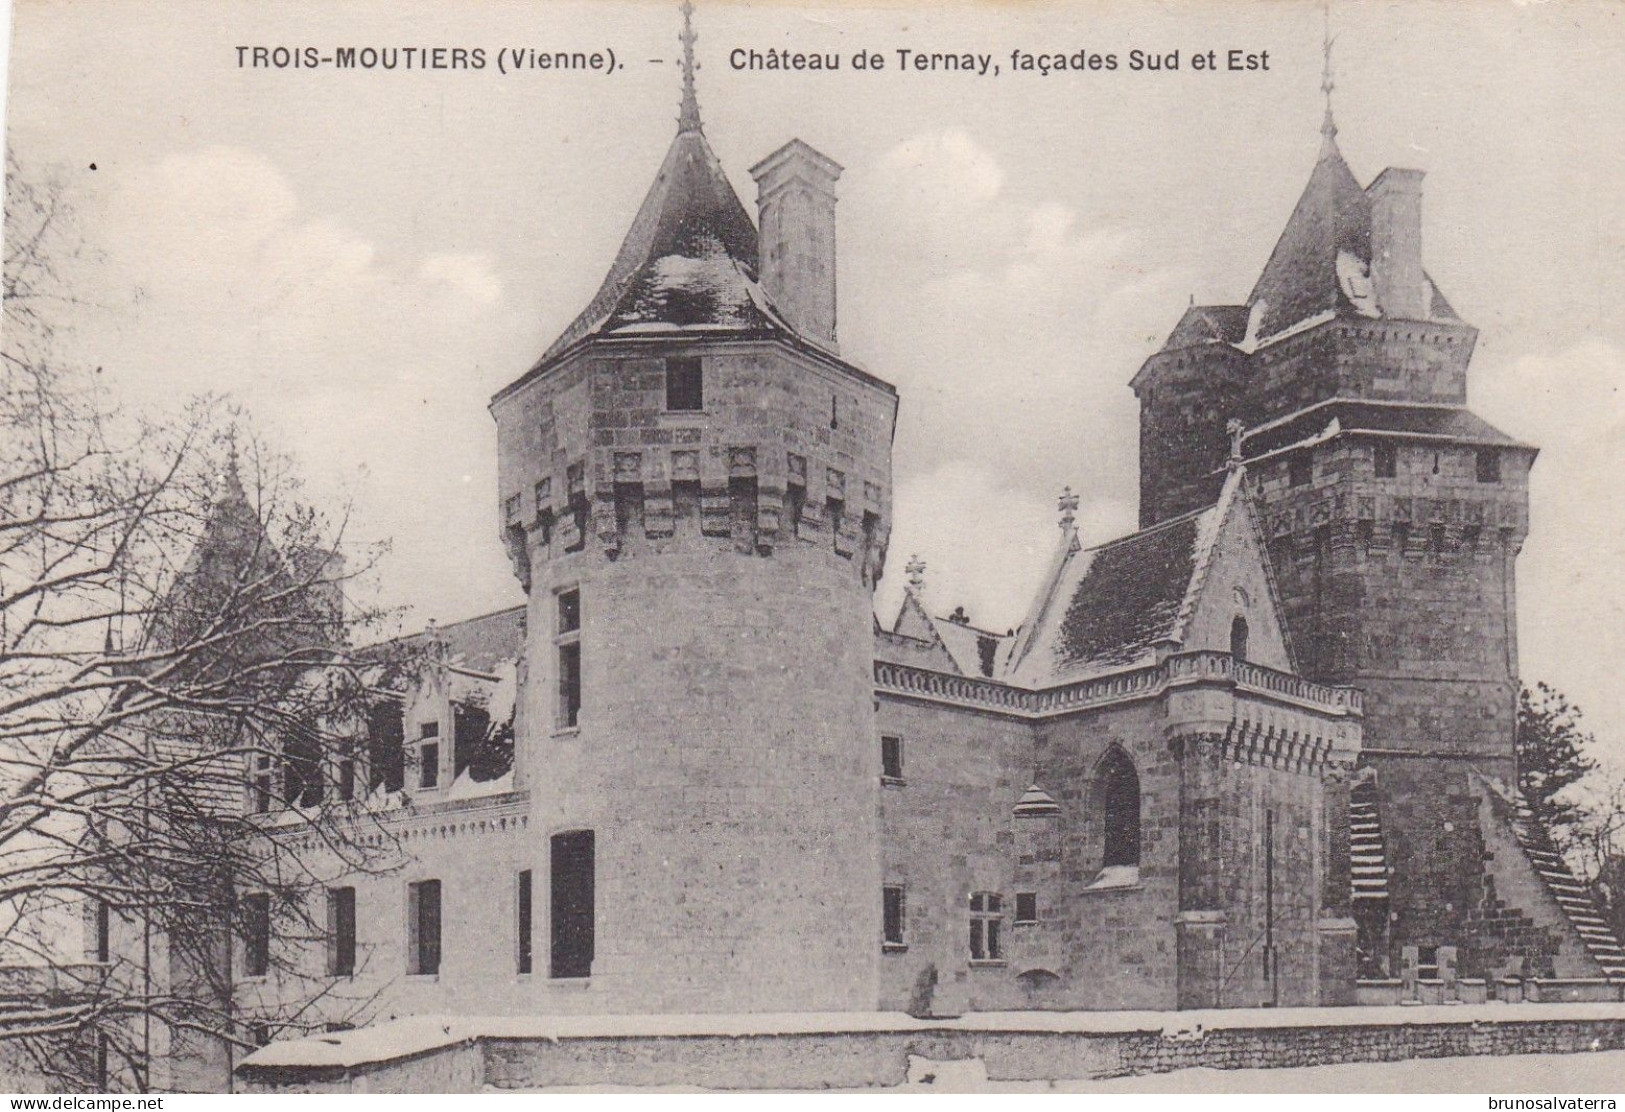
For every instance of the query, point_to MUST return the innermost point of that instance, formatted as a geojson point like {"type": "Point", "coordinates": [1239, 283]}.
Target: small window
{"type": "Point", "coordinates": [423, 927]}
{"type": "Point", "coordinates": [1489, 465]}
{"type": "Point", "coordinates": [341, 932]}
{"type": "Point", "coordinates": [429, 764]}
{"type": "Point", "coordinates": [1238, 638]}
{"type": "Point", "coordinates": [986, 921]}
{"type": "Point", "coordinates": [574, 913]}
{"type": "Point", "coordinates": [685, 385]}
{"type": "Point", "coordinates": [569, 611]}
{"type": "Point", "coordinates": [1026, 907]}
{"type": "Point", "coordinates": [429, 729]}
{"type": "Point", "coordinates": [523, 924]}
{"type": "Point", "coordinates": [892, 908]}
{"type": "Point", "coordinates": [510, 510]}
{"type": "Point", "coordinates": [1427, 963]}
{"type": "Point", "coordinates": [834, 412]}
{"type": "Point", "coordinates": [891, 758]}
{"type": "Point", "coordinates": [1385, 459]}
{"type": "Point", "coordinates": [1300, 469]}
{"type": "Point", "coordinates": [347, 778]}
{"type": "Point", "coordinates": [102, 932]}
{"type": "Point", "coordinates": [260, 786]}
{"type": "Point", "coordinates": [256, 934]}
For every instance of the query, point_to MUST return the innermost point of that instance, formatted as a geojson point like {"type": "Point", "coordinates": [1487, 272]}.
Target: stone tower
{"type": "Point", "coordinates": [1394, 517]}
{"type": "Point", "coordinates": [696, 495]}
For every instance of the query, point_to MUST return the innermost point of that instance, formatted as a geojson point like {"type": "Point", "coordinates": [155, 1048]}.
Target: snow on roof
{"type": "Point", "coordinates": [1338, 416]}
{"type": "Point", "coordinates": [1108, 608]}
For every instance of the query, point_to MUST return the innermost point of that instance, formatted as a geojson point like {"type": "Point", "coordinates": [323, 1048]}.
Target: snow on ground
{"type": "Point", "coordinates": [1598, 1074]}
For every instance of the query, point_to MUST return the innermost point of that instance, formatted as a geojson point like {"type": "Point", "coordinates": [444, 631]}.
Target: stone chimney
{"type": "Point", "coordinates": [1397, 277]}
{"type": "Point", "coordinates": [795, 206]}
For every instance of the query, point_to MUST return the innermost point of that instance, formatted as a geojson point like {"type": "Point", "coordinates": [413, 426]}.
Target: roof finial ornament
{"type": "Point", "coordinates": [1328, 126]}
{"type": "Point", "coordinates": [915, 569]}
{"type": "Point", "coordinates": [232, 480]}
{"type": "Point", "coordinates": [688, 119]}
{"type": "Point", "coordinates": [1235, 430]}
{"type": "Point", "coordinates": [1068, 505]}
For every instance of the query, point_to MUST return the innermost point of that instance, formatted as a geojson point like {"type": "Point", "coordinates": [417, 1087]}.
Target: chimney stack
{"type": "Point", "coordinates": [795, 207]}
{"type": "Point", "coordinates": [1397, 277]}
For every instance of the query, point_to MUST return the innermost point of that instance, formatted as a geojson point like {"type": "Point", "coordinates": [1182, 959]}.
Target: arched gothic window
{"type": "Point", "coordinates": [1117, 790]}
{"type": "Point", "coordinates": [1238, 638]}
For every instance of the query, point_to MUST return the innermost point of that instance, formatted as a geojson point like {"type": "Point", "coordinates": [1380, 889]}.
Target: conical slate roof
{"type": "Point", "coordinates": [688, 262]}
{"type": "Point", "coordinates": [1322, 261]}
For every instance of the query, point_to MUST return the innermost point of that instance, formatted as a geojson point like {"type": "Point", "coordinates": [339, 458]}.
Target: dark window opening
{"type": "Point", "coordinates": [1299, 469]}
{"type": "Point", "coordinates": [892, 908]}
{"type": "Point", "coordinates": [260, 789]}
{"type": "Point", "coordinates": [570, 685]}
{"type": "Point", "coordinates": [256, 934]}
{"type": "Point", "coordinates": [1238, 638]}
{"type": "Point", "coordinates": [1402, 535]}
{"type": "Point", "coordinates": [511, 510]}
{"type": "Point", "coordinates": [302, 769]}
{"type": "Point", "coordinates": [569, 611]}
{"type": "Point", "coordinates": [524, 924]}
{"type": "Point", "coordinates": [573, 911]}
{"type": "Point", "coordinates": [685, 385]}
{"type": "Point", "coordinates": [386, 746]}
{"type": "Point", "coordinates": [346, 778]}
{"type": "Point", "coordinates": [1427, 963]}
{"type": "Point", "coordinates": [1026, 907]}
{"type": "Point", "coordinates": [986, 921]}
{"type": "Point", "coordinates": [341, 932]}
{"type": "Point", "coordinates": [1118, 793]}
{"type": "Point", "coordinates": [834, 412]}
{"type": "Point", "coordinates": [1489, 466]}
{"type": "Point", "coordinates": [1385, 459]}
{"type": "Point", "coordinates": [423, 927]}
{"type": "Point", "coordinates": [103, 940]}
{"type": "Point", "coordinates": [891, 758]}
{"type": "Point", "coordinates": [576, 474]}
{"type": "Point", "coordinates": [483, 751]}
{"type": "Point", "coordinates": [1437, 537]}
{"type": "Point", "coordinates": [429, 765]}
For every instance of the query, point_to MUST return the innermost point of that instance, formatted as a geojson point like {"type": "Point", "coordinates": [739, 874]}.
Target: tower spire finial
{"type": "Point", "coordinates": [688, 119]}
{"type": "Point", "coordinates": [1328, 126]}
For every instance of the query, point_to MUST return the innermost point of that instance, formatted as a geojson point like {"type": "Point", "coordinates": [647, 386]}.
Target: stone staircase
{"type": "Point", "coordinates": [1368, 856]}
{"type": "Point", "coordinates": [1570, 895]}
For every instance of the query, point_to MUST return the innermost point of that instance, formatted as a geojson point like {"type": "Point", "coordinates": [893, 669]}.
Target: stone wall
{"type": "Point", "coordinates": [805, 1053]}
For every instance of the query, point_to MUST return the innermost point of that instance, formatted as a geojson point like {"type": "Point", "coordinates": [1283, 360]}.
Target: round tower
{"type": "Point", "coordinates": [696, 496]}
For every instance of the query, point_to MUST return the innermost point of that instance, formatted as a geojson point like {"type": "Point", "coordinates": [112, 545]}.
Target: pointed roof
{"type": "Point", "coordinates": [689, 261]}
{"type": "Point", "coordinates": [1110, 607]}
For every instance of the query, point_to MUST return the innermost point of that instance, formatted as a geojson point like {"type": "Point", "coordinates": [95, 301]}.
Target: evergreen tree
{"type": "Point", "coordinates": [1552, 756]}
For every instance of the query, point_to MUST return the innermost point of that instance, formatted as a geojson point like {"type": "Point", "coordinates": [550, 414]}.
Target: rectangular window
{"type": "Point", "coordinates": [346, 778]}
{"type": "Point", "coordinates": [1385, 459]}
{"type": "Point", "coordinates": [386, 746]}
{"type": "Point", "coordinates": [573, 911]}
{"type": "Point", "coordinates": [891, 758]}
{"type": "Point", "coordinates": [102, 932]}
{"type": "Point", "coordinates": [1299, 468]}
{"type": "Point", "coordinates": [1489, 465]}
{"type": "Point", "coordinates": [429, 765]}
{"type": "Point", "coordinates": [1026, 907]}
{"type": "Point", "coordinates": [256, 934]}
{"type": "Point", "coordinates": [511, 510]}
{"type": "Point", "coordinates": [892, 909]}
{"type": "Point", "coordinates": [423, 927]}
{"type": "Point", "coordinates": [260, 786]}
{"type": "Point", "coordinates": [568, 642]}
{"type": "Point", "coordinates": [341, 932]}
{"type": "Point", "coordinates": [685, 385]}
{"type": "Point", "coordinates": [986, 921]}
{"type": "Point", "coordinates": [523, 915]}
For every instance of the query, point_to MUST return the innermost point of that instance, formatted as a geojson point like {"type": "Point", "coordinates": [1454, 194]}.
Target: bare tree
{"type": "Point", "coordinates": [181, 708]}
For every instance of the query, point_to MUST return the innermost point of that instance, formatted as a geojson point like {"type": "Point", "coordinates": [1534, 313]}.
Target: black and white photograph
{"type": "Point", "coordinates": [668, 547]}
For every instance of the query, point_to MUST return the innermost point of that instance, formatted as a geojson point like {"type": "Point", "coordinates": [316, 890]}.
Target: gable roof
{"type": "Point", "coordinates": [1108, 608]}
{"type": "Point", "coordinates": [970, 650]}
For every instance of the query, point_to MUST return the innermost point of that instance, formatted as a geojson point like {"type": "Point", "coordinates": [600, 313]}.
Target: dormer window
{"type": "Point", "coordinates": [685, 385]}
{"type": "Point", "coordinates": [429, 755]}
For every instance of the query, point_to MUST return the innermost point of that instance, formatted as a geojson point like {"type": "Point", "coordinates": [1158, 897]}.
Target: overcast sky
{"type": "Point", "coordinates": [363, 258]}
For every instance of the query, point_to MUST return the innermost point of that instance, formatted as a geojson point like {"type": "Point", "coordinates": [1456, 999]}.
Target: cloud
{"type": "Point", "coordinates": [1571, 574]}
{"type": "Point", "coordinates": [1010, 326]}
